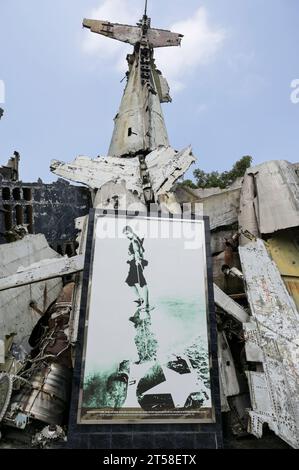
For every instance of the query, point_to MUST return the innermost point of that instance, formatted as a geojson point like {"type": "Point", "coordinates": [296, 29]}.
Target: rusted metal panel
{"type": "Point", "coordinates": [284, 250]}
{"type": "Point", "coordinates": [275, 393]}
{"type": "Point", "coordinates": [292, 284]}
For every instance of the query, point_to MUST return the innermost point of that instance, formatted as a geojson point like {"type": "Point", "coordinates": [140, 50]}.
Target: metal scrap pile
{"type": "Point", "coordinates": [35, 360]}
{"type": "Point", "coordinates": [255, 248]}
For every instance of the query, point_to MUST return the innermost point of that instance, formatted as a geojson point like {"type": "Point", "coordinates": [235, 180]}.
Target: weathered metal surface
{"type": "Point", "coordinates": [253, 352]}
{"type": "Point", "coordinates": [284, 250]}
{"type": "Point", "coordinates": [43, 271]}
{"type": "Point", "coordinates": [2, 351]}
{"type": "Point", "coordinates": [95, 173]}
{"type": "Point", "coordinates": [276, 196]}
{"type": "Point", "coordinates": [133, 34]}
{"type": "Point", "coordinates": [221, 205]}
{"type": "Point", "coordinates": [228, 376]}
{"type": "Point", "coordinates": [275, 392]}
{"type": "Point", "coordinates": [81, 226]}
{"type": "Point", "coordinates": [139, 124]}
{"type": "Point", "coordinates": [16, 315]}
{"type": "Point", "coordinates": [115, 195]}
{"type": "Point", "coordinates": [165, 166]}
{"type": "Point", "coordinates": [162, 87]}
{"type": "Point", "coordinates": [222, 208]}
{"type": "Point", "coordinates": [229, 306]}
{"type": "Point", "coordinates": [247, 215]}
{"type": "Point", "coordinates": [168, 203]}
{"type": "Point", "coordinates": [45, 399]}
{"type": "Point", "coordinates": [46, 379]}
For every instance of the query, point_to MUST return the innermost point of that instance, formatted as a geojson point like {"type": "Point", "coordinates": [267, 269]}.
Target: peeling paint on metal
{"type": "Point", "coordinates": [275, 392]}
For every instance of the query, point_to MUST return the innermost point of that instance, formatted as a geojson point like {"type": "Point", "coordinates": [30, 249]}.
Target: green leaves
{"type": "Point", "coordinates": [219, 180]}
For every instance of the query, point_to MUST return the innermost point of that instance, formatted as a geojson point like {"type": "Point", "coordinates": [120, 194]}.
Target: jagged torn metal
{"type": "Point", "coordinates": [165, 166]}
{"type": "Point", "coordinates": [274, 330]}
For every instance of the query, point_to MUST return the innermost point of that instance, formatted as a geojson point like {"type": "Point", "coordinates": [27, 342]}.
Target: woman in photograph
{"type": "Point", "coordinates": [136, 279]}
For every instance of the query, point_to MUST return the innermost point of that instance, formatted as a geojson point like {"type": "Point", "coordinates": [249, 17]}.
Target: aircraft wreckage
{"type": "Point", "coordinates": [255, 247]}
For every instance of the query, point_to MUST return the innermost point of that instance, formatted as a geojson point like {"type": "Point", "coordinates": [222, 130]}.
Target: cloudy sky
{"type": "Point", "coordinates": [231, 79]}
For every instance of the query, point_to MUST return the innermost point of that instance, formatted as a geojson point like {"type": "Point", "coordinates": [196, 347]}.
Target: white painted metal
{"type": "Point", "coordinates": [96, 173]}
{"type": "Point", "coordinates": [253, 352]}
{"type": "Point", "coordinates": [42, 271]}
{"type": "Point", "coordinates": [165, 166]}
{"type": "Point", "coordinates": [276, 320]}
{"type": "Point", "coordinates": [133, 34]}
{"type": "Point", "coordinates": [16, 315]}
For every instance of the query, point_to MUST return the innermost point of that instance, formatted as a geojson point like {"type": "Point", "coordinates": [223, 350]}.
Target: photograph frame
{"type": "Point", "coordinates": [211, 426]}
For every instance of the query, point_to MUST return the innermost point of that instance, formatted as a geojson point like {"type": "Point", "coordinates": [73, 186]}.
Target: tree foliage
{"type": "Point", "coordinates": [219, 180]}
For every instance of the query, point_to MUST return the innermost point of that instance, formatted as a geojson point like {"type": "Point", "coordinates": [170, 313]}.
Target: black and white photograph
{"type": "Point", "coordinates": [147, 351]}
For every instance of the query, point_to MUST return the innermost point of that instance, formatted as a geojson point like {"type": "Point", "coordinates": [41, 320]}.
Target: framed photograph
{"type": "Point", "coordinates": [146, 321]}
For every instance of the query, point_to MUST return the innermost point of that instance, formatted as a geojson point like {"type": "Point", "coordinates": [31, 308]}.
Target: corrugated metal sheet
{"type": "Point", "coordinates": [275, 392]}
